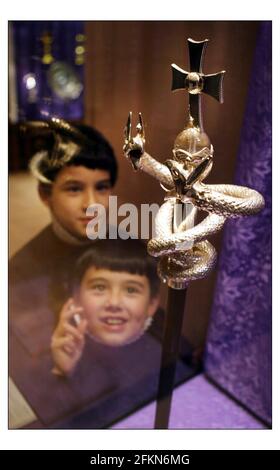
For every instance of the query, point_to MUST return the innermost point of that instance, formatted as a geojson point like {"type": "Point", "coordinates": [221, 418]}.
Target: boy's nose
{"type": "Point", "coordinates": [90, 198]}
{"type": "Point", "coordinates": [114, 301]}
{"type": "Point", "coordinates": [113, 308]}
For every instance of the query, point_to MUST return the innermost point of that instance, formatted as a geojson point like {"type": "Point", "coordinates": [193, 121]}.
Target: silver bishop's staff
{"type": "Point", "coordinates": [183, 250]}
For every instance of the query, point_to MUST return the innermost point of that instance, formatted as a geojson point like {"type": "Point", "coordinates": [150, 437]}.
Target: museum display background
{"type": "Point", "coordinates": [239, 343]}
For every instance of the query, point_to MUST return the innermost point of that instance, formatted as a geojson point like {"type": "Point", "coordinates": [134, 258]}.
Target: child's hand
{"type": "Point", "coordinates": [68, 339]}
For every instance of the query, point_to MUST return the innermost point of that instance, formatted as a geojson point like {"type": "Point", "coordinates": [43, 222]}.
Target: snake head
{"type": "Point", "coordinates": [134, 146]}
{"type": "Point", "coordinates": [184, 182]}
{"type": "Point", "coordinates": [178, 177]}
{"type": "Point", "coordinates": [198, 174]}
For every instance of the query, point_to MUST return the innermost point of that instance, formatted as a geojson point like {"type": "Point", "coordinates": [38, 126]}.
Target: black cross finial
{"type": "Point", "coordinates": [195, 82]}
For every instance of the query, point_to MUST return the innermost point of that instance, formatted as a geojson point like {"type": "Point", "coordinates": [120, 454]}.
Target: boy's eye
{"type": "Point", "coordinates": [132, 290]}
{"type": "Point", "coordinates": [98, 287]}
{"type": "Point", "coordinates": [103, 187]}
{"type": "Point", "coordinates": [73, 189]}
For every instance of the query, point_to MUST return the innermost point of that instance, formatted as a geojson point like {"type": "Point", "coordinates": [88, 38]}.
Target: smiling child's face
{"type": "Point", "coordinates": [116, 305]}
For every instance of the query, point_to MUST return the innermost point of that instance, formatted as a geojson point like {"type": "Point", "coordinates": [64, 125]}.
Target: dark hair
{"type": "Point", "coordinates": [95, 153]}
{"type": "Point", "coordinates": [118, 255]}
{"type": "Point", "coordinates": [101, 150]}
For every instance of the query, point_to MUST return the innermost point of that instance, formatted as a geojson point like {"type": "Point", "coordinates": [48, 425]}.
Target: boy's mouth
{"type": "Point", "coordinates": [114, 324]}
{"type": "Point", "coordinates": [85, 220]}
{"type": "Point", "coordinates": [114, 320]}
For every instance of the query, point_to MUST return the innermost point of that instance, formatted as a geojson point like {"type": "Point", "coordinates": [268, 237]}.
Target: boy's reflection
{"type": "Point", "coordinates": [105, 378]}
{"type": "Point", "coordinates": [71, 174]}
{"type": "Point", "coordinates": [115, 287]}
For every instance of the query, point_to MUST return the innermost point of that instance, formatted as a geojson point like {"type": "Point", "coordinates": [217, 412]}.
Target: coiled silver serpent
{"type": "Point", "coordinates": [184, 252]}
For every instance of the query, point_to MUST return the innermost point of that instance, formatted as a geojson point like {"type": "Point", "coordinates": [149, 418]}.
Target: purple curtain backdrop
{"type": "Point", "coordinates": [238, 351]}
{"type": "Point", "coordinates": [41, 100]}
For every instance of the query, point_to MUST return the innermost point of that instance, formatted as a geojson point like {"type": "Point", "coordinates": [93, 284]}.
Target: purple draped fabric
{"type": "Point", "coordinates": [36, 97]}
{"type": "Point", "coordinates": [238, 352]}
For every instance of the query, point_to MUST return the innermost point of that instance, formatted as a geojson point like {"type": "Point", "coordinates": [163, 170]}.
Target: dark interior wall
{"type": "Point", "coordinates": [128, 68]}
